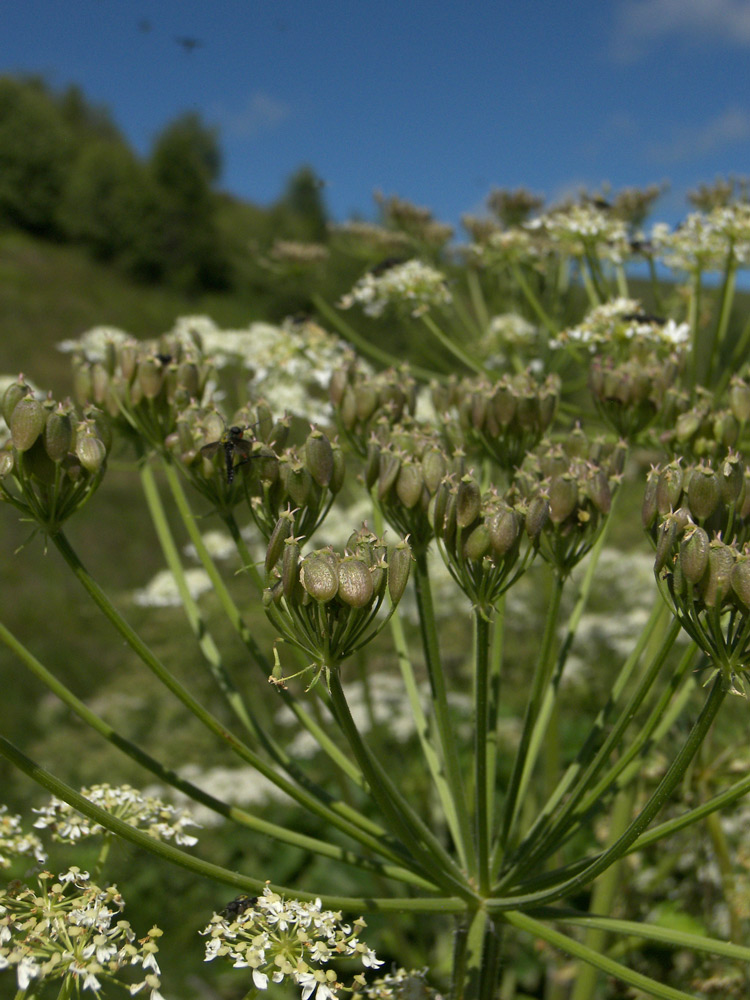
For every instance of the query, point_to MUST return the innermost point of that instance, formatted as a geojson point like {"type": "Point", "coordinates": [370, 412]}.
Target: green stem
{"type": "Point", "coordinates": [496, 663]}
{"type": "Point", "coordinates": [603, 897]}
{"type": "Point", "coordinates": [725, 309]}
{"type": "Point", "coordinates": [317, 801]}
{"type": "Point", "coordinates": [450, 345]}
{"type": "Point", "coordinates": [407, 825]}
{"type": "Point", "coordinates": [233, 613]}
{"type": "Point", "coordinates": [481, 729]}
{"type": "Point", "coordinates": [533, 301]}
{"type": "Point", "coordinates": [445, 730]}
{"type": "Point", "coordinates": [169, 777]}
{"type": "Point", "coordinates": [694, 372]}
{"type": "Point", "coordinates": [206, 869]}
{"type": "Point", "coordinates": [570, 946]}
{"type": "Point", "coordinates": [477, 299]}
{"type": "Point", "coordinates": [366, 347]}
{"type": "Point", "coordinates": [726, 870]}
{"type": "Point", "coordinates": [538, 687]}
{"type": "Point", "coordinates": [662, 792]}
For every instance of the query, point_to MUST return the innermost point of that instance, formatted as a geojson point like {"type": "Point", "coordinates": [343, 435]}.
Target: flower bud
{"type": "Point", "coordinates": [15, 392]}
{"type": "Point", "coordinates": [319, 457]}
{"type": "Point", "coordinates": [355, 583]}
{"type": "Point", "coordinates": [290, 573]}
{"type": "Point", "coordinates": [717, 582]}
{"type": "Point", "coordinates": [537, 516]}
{"type": "Point", "coordinates": [468, 502]}
{"type": "Point", "coordinates": [703, 492]}
{"type": "Point", "coordinates": [281, 531]}
{"type": "Point", "coordinates": [740, 579]}
{"type": "Point", "coordinates": [150, 377]}
{"type": "Point", "coordinates": [89, 448]}
{"type": "Point", "coordinates": [319, 578]}
{"type": "Point", "coordinates": [399, 567]}
{"type": "Point", "coordinates": [26, 422]}
{"type": "Point", "coordinates": [409, 484]}
{"type": "Point", "coordinates": [694, 554]}
{"type": "Point", "coordinates": [563, 497]}
{"type": "Point", "coordinates": [504, 528]}
{"type": "Point", "coordinates": [58, 434]}
{"type": "Point", "coordinates": [477, 545]}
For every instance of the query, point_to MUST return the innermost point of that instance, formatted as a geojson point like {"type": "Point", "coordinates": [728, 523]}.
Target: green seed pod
{"type": "Point", "coordinates": [725, 428]}
{"type": "Point", "coordinates": [319, 457]}
{"type": "Point", "coordinates": [739, 399]}
{"type": "Point", "coordinates": [339, 470]}
{"type": "Point", "coordinates": [537, 516]}
{"type": "Point", "coordinates": [468, 502]}
{"type": "Point", "coordinates": [505, 528]}
{"type": "Point", "coordinates": [27, 422]}
{"type": "Point", "coordinates": [188, 378]}
{"type": "Point", "coordinates": [273, 594]}
{"type": "Point", "coordinates": [319, 578]}
{"type": "Point", "coordinates": [15, 392]}
{"type": "Point", "coordinates": [649, 509]}
{"type": "Point", "coordinates": [478, 405]}
{"type": "Point", "coordinates": [687, 424]}
{"type": "Point", "coordinates": [348, 409]}
{"type": "Point", "coordinates": [37, 463]}
{"type": "Point", "coordinates": [703, 492]}
{"type": "Point", "coordinates": [576, 444]}
{"type": "Point", "coordinates": [355, 583]}
{"type": "Point", "coordinates": [281, 531]}
{"type": "Point", "coordinates": [666, 536]}
{"type": "Point", "coordinates": [399, 568]}
{"type": "Point", "coordinates": [128, 358]}
{"type": "Point", "coordinates": [409, 484]}
{"type": "Point", "coordinates": [740, 579]}
{"type": "Point", "coordinates": [372, 463]}
{"type": "Point", "coordinates": [669, 487]}
{"type": "Point", "coordinates": [438, 506]}
{"type": "Point", "coordinates": [731, 478]}
{"type": "Point", "coordinates": [58, 433]}
{"type": "Point", "coordinates": [478, 543]}
{"type": "Point", "coordinates": [290, 571]}
{"type": "Point", "coordinates": [434, 468]}
{"type": "Point", "coordinates": [390, 465]}
{"type": "Point", "coordinates": [89, 448]}
{"type": "Point", "coordinates": [299, 485]}
{"type": "Point", "coordinates": [150, 377]}
{"type": "Point", "coordinates": [366, 400]}
{"type": "Point", "coordinates": [7, 462]}
{"type": "Point", "coordinates": [503, 404]}
{"type": "Point", "coordinates": [99, 382]}
{"type": "Point", "coordinates": [598, 491]}
{"type": "Point", "coordinates": [563, 498]}
{"type": "Point", "coordinates": [694, 554]}
{"type": "Point", "coordinates": [83, 388]}
{"type": "Point", "coordinates": [338, 384]}
{"type": "Point", "coordinates": [716, 584]}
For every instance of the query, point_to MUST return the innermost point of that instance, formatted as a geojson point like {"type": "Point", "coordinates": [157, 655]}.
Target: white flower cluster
{"type": "Point", "coordinates": [370, 235]}
{"type": "Point", "coordinates": [15, 842]}
{"type": "Point", "coordinates": [161, 591]}
{"type": "Point", "coordinates": [583, 229]}
{"type": "Point", "coordinates": [291, 364]}
{"type": "Point", "coordinates": [413, 285]}
{"type": "Point", "coordinates": [399, 985]}
{"type": "Point", "coordinates": [95, 344]}
{"type": "Point", "coordinates": [64, 931]}
{"type": "Point", "coordinates": [704, 240]}
{"type": "Point", "coordinates": [283, 939]}
{"type": "Point", "coordinates": [620, 322]}
{"type": "Point", "coordinates": [514, 244]}
{"type": "Point", "coordinates": [147, 813]}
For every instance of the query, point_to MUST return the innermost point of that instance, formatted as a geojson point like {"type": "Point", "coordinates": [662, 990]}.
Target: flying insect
{"type": "Point", "coordinates": [234, 444]}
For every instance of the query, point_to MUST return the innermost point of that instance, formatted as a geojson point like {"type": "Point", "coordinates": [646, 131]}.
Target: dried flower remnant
{"type": "Point", "coordinates": [68, 931]}
{"type": "Point", "coordinates": [413, 286]}
{"type": "Point", "coordinates": [147, 813]}
{"type": "Point", "coordinates": [15, 842]}
{"type": "Point", "coordinates": [285, 940]}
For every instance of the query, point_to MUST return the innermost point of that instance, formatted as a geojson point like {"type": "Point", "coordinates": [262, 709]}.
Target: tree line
{"type": "Point", "coordinates": [67, 173]}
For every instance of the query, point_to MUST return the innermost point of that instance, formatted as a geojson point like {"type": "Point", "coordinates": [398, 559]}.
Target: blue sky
{"type": "Point", "coordinates": [434, 101]}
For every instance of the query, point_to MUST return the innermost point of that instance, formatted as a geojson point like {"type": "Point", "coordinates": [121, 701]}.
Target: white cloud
{"type": "Point", "coordinates": [689, 142]}
{"type": "Point", "coordinates": [259, 113]}
{"type": "Point", "coordinates": [639, 22]}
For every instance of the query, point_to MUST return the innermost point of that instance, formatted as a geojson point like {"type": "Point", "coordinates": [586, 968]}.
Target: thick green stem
{"type": "Point", "coordinates": [533, 301]}
{"type": "Point", "coordinates": [206, 869]}
{"type": "Point", "coordinates": [318, 802]}
{"type": "Point", "coordinates": [406, 824]}
{"type": "Point", "coordinates": [445, 730]}
{"type": "Point", "coordinates": [539, 684]}
{"type": "Point", "coordinates": [481, 729]}
{"type": "Point", "coordinates": [451, 346]}
{"type": "Point", "coordinates": [230, 812]}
